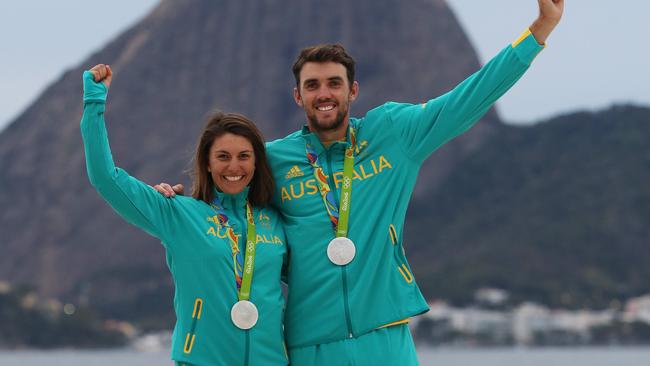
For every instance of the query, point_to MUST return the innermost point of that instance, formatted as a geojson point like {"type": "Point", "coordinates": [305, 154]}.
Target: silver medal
{"type": "Point", "coordinates": [244, 314]}
{"type": "Point", "coordinates": [341, 251]}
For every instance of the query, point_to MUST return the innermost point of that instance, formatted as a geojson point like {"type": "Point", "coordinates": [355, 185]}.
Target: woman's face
{"type": "Point", "coordinates": [231, 163]}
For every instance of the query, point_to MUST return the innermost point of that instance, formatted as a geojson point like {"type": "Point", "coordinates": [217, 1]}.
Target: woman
{"type": "Point", "coordinates": [223, 316]}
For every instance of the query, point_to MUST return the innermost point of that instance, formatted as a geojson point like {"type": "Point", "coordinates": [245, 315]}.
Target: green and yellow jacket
{"type": "Point", "coordinates": [198, 254]}
{"type": "Point", "coordinates": [328, 302]}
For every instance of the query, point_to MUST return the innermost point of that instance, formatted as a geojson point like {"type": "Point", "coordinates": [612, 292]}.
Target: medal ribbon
{"type": "Point", "coordinates": [338, 215]}
{"type": "Point", "coordinates": [242, 265]}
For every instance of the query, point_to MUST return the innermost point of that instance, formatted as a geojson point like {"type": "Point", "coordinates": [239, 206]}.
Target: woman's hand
{"type": "Point", "coordinates": [102, 73]}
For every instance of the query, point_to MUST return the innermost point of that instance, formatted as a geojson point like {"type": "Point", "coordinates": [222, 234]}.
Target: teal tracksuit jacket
{"type": "Point", "coordinates": [198, 255]}
{"type": "Point", "coordinates": [328, 302]}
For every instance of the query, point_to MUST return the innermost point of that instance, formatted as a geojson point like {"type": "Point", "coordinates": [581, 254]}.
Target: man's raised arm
{"type": "Point", "coordinates": [550, 13]}
{"type": "Point", "coordinates": [424, 128]}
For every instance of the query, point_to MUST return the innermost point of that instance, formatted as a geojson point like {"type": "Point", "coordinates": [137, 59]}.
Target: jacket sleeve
{"type": "Point", "coordinates": [425, 127]}
{"type": "Point", "coordinates": [136, 202]}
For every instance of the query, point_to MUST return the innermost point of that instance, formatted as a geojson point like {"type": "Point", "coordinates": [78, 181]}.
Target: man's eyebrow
{"type": "Point", "coordinates": [332, 78]}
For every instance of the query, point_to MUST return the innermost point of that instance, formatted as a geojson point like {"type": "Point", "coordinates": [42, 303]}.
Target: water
{"type": "Point", "coordinates": [536, 357]}
{"type": "Point", "coordinates": [86, 358]}
{"type": "Point", "coordinates": [434, 357]}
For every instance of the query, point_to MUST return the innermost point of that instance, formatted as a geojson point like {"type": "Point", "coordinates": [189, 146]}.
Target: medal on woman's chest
{"type": "Point", "coordinates": [244, 314]}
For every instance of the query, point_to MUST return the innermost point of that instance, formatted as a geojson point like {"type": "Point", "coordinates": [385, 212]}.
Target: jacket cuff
{"type": "Point", "coordinates": [526, 47]}
{"type": "Point", "coordinates": [93, 92]}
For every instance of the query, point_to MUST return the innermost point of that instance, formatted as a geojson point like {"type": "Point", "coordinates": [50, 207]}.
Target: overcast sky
{"type": "Point", "coordinates": [598, 55]}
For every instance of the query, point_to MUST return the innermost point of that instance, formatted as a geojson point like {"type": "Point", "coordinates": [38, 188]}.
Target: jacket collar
{"type": "Point", "coordinates": [315, 142]}
{"type": "Point", "coordinates": [231, 201]}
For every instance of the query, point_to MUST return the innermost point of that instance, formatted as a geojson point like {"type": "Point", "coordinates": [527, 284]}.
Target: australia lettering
{"type": "Point", "coordinates": [222, 233]}
{"type": "Point", "coordinates": [360, 172]}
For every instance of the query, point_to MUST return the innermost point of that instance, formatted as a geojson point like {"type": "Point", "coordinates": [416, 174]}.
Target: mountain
{"type": "Point", "coordinates": [557, 213]}
{"type": "Point", "coordinates": [185, 58]}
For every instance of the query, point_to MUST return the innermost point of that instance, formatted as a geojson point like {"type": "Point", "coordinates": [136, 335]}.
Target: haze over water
{"type": "Point", "coordinates": [428, 356]}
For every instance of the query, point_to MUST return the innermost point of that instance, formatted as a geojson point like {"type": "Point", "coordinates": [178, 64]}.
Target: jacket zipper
{"type": "Point", "coordinates": [344, 277]}
{"type": "Point", "coordinates": [235, 210]}
{"type": "Point", "coordinates": [345, 301]}
{"type": "Point", "coordinates": [248, 350]}
{"type": "Point", "coordinates": [191, 335]}
{"type": "Point", "coordinates": [242, 239]}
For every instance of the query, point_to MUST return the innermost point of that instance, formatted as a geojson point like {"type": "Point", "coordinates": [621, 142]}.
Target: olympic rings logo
{"type": "Point", "coordinates": [346, 182]}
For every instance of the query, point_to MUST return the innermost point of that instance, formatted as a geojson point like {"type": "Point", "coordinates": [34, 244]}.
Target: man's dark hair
{"type": "Point", "coordinates": [324, 53]}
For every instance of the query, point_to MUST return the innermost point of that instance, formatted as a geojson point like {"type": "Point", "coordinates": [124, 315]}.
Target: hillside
{"type": "Point", "coordinates": [179, 62]}
{"type": "Point", "coordinates": [557, 212]}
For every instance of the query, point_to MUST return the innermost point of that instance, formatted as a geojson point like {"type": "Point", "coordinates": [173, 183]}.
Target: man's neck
{"type": "Point", "coordinates": [330, 136]}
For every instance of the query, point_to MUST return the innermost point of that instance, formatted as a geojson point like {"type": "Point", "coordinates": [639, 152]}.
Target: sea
{"type": "Point", "coordinates": [588, 356]}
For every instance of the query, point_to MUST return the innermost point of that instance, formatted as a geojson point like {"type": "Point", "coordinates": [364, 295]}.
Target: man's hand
{"type": "Point", "coordinates": [102, 73]}
{"type": "Point", "coordinates": [550, 13]}
{"type": "Point", "coordinates": [551, 9]}
{"type": "Point", "coordinates": [169, 191]}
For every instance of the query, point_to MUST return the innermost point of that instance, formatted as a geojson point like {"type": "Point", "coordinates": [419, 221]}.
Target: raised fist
{"type": "Point", "coordinates": [551, 9]}
{"type": "Point", "coordinates": [102, 73]}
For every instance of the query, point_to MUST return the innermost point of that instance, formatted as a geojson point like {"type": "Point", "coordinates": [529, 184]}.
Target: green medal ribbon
{"type": "Point", "coordinates": [346, 193]}
{"type": "Point", "coordinates": [243, 269]}
{"type": "Point", "coordinates": [339, 216]}
{"type": "Point", "coordinates": [249, 257]}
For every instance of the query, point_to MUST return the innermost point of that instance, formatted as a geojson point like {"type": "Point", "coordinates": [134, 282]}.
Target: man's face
{"type": "Point", "coordinates": [325, 95]}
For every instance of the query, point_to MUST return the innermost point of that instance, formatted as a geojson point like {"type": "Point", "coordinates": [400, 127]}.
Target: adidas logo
{"type": "Point", "coordinates": [294, 172]}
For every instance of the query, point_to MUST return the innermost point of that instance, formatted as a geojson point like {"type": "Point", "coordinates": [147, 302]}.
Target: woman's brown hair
{"type": "Point", "coordinates": [261, 186]}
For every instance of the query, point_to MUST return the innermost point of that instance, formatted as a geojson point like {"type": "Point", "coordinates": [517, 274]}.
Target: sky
{"type": "Point", "coordinates": [596, 57]}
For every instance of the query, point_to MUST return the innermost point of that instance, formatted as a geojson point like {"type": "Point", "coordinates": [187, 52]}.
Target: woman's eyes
{"type": "Point", "coordinates": [226, 157]}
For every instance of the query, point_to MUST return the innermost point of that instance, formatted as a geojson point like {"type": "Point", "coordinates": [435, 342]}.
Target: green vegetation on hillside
{"type": "Point", "coordinates": [556, 213]}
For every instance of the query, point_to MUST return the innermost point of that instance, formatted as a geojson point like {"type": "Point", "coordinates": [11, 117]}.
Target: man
{"type": "Point", "coordinates": [351, 290]}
